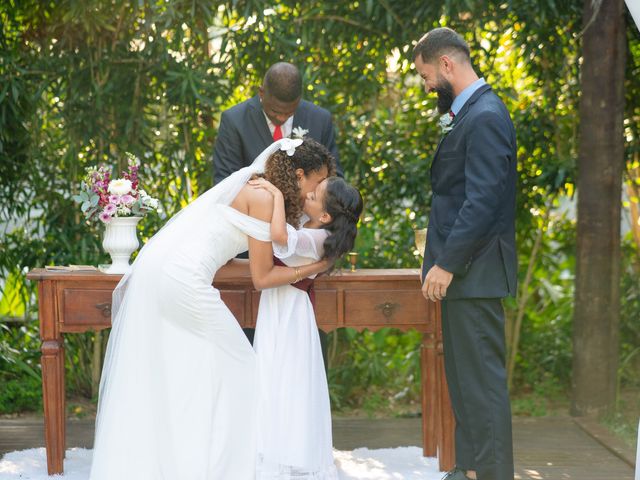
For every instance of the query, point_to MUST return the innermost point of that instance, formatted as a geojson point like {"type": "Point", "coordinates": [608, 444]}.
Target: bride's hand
{"type": "Point", "coordinates": [265, 184]}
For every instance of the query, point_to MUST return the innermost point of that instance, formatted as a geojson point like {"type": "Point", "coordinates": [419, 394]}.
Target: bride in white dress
{"type": "Point", "coordinates": [294, 414]}
{"type": "Point", "coordinates": [179, 387]}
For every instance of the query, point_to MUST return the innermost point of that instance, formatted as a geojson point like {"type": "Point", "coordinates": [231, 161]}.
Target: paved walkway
{"type": "Point", "coordinates": [553, 448]}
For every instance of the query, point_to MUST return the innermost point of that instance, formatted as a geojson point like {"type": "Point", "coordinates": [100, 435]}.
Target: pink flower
{"type": "Point", "coordinates": [127, 199]}
{"type": "Point", "coordinates": [110, 209]}
{"type": "Point", "coordinates": [115, 199]}
{"type": "Point", "coordinates": [105, 217]}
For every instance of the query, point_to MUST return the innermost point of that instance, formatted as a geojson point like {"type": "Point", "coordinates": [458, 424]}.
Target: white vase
{"type": "Point", "coordinates": [120, 241]}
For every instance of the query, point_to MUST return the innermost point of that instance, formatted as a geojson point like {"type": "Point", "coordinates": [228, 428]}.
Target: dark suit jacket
{"type": "Point", "coordinates": [471, 229]}
{"type": "Point", "coordinates": [243, 134]}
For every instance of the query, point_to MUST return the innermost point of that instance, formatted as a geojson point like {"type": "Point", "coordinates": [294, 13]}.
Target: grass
{"type": "Point", "coordinates": [623, 422]}
{"type": "Point", "coordinates": [544, 399]}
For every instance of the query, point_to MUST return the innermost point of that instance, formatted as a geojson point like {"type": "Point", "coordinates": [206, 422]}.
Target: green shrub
{"type": "Point", "coordinates": [21, 394]}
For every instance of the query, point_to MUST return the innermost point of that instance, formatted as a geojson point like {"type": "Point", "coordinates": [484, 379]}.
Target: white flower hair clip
{"type": "Point", "coordinates": [289, 145]}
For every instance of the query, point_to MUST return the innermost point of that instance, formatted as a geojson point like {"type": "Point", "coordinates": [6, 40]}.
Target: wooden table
{"type": "Point", "coordinates": [73, 302]}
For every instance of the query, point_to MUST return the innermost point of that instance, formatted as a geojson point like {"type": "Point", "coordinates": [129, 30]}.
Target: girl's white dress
{"type": "Point", "coordinates": [179, 384]}
{"type": "Point", "coordinates": [294, 414]}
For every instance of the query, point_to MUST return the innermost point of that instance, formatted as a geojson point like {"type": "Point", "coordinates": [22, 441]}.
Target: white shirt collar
{"type": "Point", "coordinates": [286, 127]}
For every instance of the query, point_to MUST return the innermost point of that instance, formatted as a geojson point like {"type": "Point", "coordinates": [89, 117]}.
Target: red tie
{"type": "Point", "coordinates": [277, 133]}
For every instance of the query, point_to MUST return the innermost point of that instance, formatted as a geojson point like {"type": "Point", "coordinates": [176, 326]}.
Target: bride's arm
{"type": "Point", "coordinates": [263, 272]}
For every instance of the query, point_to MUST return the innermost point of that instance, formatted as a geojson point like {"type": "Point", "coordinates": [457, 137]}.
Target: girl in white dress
{"type": "Point", "coordinates": [294, 414]}
{"type": "Point", "coordinates": [179, 386]}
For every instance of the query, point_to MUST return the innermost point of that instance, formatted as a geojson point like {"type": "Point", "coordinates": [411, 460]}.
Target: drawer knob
{"type": "Point", "coordinates": [387, 309]}
{"type": "Point", "coordinates": [105, 308]}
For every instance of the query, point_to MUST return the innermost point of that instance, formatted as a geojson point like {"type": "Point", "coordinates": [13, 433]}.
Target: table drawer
{"type": "Point", "coordinates": [326, 309]}
{"type": "Point", "coordinates": [385, 307]}
{"type": "Point", "coordinates": [85, 308]}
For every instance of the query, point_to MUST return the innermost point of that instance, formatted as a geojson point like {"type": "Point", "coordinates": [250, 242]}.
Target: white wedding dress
{"type": "Point", "coordinates": [294, 414]}
{"type": "Point", "coordinates": [178, 393]}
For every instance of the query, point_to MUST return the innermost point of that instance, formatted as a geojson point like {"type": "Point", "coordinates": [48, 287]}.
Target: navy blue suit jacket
{"type": "Point", "coordinates": [243, 134]}
{"type": "Point", "coordinates": [471, 230]}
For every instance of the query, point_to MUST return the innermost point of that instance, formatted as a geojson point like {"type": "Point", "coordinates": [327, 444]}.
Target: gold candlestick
{"type": "Point", "coordinates": [353, 258]}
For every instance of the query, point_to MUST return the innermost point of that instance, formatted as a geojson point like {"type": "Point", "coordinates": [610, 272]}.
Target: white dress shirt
{"type": "Point", "coordinates": [286, 127]}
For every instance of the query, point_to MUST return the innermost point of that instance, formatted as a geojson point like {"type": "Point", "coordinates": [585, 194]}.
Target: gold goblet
{"type": "Point", "coordinates": [420, 239]}
{"type": "Point", "coordinates": [353, 258]}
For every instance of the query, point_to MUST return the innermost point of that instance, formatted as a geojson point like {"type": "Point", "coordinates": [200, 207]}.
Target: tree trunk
{"type": "Point", "coordinates": [599, 186]}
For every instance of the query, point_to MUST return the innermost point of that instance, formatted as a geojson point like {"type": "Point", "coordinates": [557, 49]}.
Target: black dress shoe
{"type": "Point", "coordinates": [456, 474]}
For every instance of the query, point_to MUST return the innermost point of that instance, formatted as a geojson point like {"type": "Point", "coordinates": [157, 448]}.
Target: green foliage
{"type": "Point", "coordinates": [546, 397]}
{"type": "Point", "coordinates": [630, 318]}
{"type": "Point", "coordinates": [82, 82]}
{"type": "Point", "coordinates": [623, 421]}
{"type": "Point", "coordinates": [374, 370]}
{"type": "Point", "coordinates": [19, 369]}
{"type": "Point", "coordinates": [545, 350]}
{"type": "Point", "coordinates": [21, 395]}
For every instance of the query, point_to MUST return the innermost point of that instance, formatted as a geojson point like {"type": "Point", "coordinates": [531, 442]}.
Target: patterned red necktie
{"type": "Point", "coordinates": [277, 133]}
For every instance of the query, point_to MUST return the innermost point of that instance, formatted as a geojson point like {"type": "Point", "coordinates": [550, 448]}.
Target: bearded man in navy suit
{"type": "Point", "coordinates": [470, 257]}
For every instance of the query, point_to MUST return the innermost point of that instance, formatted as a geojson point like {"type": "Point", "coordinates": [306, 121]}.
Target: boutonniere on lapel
{"type": "Point", "coordinates": [299, 132]}
{"type": "Point", "coordinates": [446, 122]}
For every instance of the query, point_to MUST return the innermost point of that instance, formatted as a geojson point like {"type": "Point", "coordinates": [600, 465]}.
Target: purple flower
{"type": "Point", "coordinates": [105, 217]}
{"type": "Point", "coordinates": [115, 199]}
{"type": "Point", "coordinates": [127, 199]}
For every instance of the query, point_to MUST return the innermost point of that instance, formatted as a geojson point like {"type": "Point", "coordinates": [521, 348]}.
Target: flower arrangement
{"type": "Point", "coordinates": [103, 198]}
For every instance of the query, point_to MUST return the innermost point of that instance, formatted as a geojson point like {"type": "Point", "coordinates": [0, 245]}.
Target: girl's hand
{"type": "Point", "coordinates": [265, 184]}
{"type": "Point", "coordinates": [323, 265]}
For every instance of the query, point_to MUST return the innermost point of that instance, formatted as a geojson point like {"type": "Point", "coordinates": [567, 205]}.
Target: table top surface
{"type": "Point", "coordinates": [238, 271]}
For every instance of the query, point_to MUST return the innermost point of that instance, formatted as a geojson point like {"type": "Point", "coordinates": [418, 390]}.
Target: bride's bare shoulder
{"type": "Point", "coordinates": [255, 202]}
{"type": "Point", "coordinates": [249, 194]}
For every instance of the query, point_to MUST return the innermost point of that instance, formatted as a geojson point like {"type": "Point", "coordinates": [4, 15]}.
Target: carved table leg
{"type": "Point", "coordinates": [52, 380]}
{"type": "Point", "coordinates": [446, 440]}
{"type": "Point", "coordinates": [445, 424]}
{"type": "Point", "coordinates": [53, 396]}
{"type": "Point", "coordinates": [429, 395]}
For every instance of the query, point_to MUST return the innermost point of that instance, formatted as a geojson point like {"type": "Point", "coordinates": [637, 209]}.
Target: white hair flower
{"type": "Point", "coordinates": [289, 145]}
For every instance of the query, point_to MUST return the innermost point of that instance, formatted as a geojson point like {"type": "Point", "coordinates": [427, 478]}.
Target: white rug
{"type": "Point", "coordinates": [404, 463]}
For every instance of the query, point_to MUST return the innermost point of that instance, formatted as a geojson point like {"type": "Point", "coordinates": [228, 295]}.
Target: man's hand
{"type": "Point", "coordinates": [436, 283]}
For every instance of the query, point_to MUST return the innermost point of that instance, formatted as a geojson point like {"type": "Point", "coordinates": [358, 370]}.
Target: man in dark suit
{"type": "Point", "coordinates": [470, 258]}
{"type": "Point", "coordinates": [277, 111]}
{"type": "Point", "coordinates": [248, 128]}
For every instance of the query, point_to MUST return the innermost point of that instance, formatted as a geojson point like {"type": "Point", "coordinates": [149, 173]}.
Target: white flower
{"type": "Point", "coordinates": [120, 186]}
{"type": "Point", "coordinates": [123, 211]}
{"type": "Point", "coordinates": [445, 122]}
{"type": "Point", "coordinates": [299, 132]}
{"type": "Point", "coordinates": [289, 145]}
